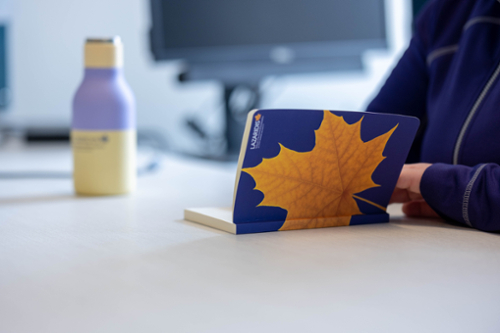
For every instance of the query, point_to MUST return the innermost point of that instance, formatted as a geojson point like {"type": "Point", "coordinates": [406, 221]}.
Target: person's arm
{"type": "Point", "coordinates": [469, 195]}
{"type": "Point", "coordinates": [405, 90]}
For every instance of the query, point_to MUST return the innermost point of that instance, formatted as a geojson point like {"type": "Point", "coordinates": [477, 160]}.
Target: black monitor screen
{"type": "Point", "coordinates": [245, 40]}
{"type": "Point", "coordinates": [215, 23]}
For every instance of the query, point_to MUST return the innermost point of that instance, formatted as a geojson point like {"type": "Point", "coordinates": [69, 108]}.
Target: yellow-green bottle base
{"type": "Point", "coordinates": [104, 162]}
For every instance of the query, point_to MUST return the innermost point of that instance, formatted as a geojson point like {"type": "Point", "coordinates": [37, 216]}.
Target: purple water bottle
{"type": "Point", "coordinates": [103, 134]}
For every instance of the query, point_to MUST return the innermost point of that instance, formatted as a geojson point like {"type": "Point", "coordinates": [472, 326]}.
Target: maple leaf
{"type": "Point", "coordinates": [317, 188]}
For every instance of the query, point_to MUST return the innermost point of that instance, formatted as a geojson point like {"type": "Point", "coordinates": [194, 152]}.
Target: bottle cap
{"type": "Point", "coordinates": [103, 52]}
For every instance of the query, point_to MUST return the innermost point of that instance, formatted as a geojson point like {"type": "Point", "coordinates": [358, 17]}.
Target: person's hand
{"type": "Point", "coordinates": [407, 191]}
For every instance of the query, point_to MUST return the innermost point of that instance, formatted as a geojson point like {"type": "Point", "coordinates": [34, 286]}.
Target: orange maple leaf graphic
{"type": "Point", "coordinates": [318, 188]}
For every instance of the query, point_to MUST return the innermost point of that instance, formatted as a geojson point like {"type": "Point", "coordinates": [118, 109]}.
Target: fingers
{"type": "Point", "coordinates": [408, 185]}
{"type": "Point", "coordinates": [403, 195]}
{"type": "Point", "coordinates": [407, 191]}
{"type": "Point", "coordinates": [410, 177]}
{"type": "Point", "coordinates": [399, 196]}
{"type": "Point", "coordinates": [418, 209]}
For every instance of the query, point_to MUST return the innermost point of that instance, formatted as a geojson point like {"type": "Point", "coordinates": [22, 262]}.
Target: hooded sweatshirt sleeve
{"type": "Point", "coordinates": [405, 90]}
{"type": "Point", "coordinates": [470, 195]}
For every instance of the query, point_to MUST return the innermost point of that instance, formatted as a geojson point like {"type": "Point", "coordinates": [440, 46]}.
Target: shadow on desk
{"type": "Point", "coordinates": [395, 222]}
{"type": "Point", "coordinates": [36, 199]}
{"type": "Point", "coordinates": [428, 222]}
{"type": "Point", "coordinates": [434, 222]}
{"type": "Point", "coordinates": [53, 198]}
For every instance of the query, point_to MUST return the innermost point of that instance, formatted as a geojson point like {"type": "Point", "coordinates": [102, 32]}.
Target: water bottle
{"type": "Point", "coordinates": [103, 134]}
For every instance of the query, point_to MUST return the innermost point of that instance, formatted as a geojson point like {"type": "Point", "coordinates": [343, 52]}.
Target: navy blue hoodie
{"type": "Point", "coordinates": [449, 77]}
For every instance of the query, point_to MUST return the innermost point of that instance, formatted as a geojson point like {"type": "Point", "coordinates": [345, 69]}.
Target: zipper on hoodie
{"type": "Point", "coordinates": [472, 112]}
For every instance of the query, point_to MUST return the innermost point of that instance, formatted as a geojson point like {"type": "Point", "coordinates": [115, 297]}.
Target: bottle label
{"type": "Point", "coordinates": [104, 162]}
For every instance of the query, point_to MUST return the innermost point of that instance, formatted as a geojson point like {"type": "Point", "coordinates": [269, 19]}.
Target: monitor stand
{"type": "Point", "coordinates": [239, 99]}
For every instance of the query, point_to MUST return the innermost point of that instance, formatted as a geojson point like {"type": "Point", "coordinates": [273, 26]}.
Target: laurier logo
{"type": "Point", "coordinates": [258, 127]}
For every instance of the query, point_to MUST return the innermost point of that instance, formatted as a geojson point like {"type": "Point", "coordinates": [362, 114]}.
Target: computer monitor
{"type": "Point", "coordinates": [239, 42]}
{"type": "Point", "coordinates": [245, 40]}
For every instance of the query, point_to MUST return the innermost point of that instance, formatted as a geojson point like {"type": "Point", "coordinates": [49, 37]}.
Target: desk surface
{"type": "Point", "coordinates": [131, 264]}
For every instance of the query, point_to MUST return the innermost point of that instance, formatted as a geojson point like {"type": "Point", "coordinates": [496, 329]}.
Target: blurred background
{"type": "Point", "coordinates": [41, 66]}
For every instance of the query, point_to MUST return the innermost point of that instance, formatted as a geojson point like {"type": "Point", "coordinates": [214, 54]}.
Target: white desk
{"type": "Point", "coordinates": [130, 264]}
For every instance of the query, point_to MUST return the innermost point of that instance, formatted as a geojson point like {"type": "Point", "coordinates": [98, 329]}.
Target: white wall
{"type": "Point", "coordinates": [47, 39]}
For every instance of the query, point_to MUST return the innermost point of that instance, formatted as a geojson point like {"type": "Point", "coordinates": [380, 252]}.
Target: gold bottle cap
{"type": "Point", "coordinates": [103, 52]}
